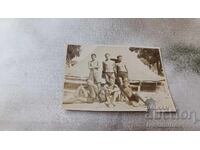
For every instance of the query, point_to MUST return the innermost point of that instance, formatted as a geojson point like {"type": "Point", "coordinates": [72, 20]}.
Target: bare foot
{"type": "Point", "coordinates": [107, 104]}
{"type": "Point", "coordinates": [135, 104]}
{"type": "Point", "coordinates": [113, 104]}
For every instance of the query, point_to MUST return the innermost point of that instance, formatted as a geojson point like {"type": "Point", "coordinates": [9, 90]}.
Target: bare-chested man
{"type": "Point", "coordinates": [112, 92]}
{"type": "Point", "coordinates": [109, 68]}
{"type": "Point", "coordinates": [131, 97]}
{"type": "Point", "coordinates": [85, 93]}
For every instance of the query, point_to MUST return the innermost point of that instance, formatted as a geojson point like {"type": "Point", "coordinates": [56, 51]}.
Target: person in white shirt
{"type": "Point", "coordinates": [94, 74]}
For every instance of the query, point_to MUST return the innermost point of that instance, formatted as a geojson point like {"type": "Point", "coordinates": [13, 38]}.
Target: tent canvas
{"type": "Point", "coordinates": [142, 79]}
{"type": "Point", "coordinates": [136, 69]}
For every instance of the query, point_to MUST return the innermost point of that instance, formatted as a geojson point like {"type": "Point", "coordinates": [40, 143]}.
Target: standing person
{"type": "Point", "coordinates": [122, 71]}
{"type": "Point", "coordinates": [94, 74]}
{"type": "Point", "coordinates": [109, 69]}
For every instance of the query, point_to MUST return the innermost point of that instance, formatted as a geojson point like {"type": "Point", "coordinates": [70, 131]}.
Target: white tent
{"type": "Point", "coordinates": [136, 69]}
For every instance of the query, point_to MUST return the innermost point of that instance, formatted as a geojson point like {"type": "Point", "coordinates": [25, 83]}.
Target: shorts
{"type": "Point", "coordinates": [134, 97]}
{"type": "Point", "coordinates": [109, 76]}
{"type": "Point", "coordinates": [95, 76]}
{"type": "Point", "coordinates": [123, 75]}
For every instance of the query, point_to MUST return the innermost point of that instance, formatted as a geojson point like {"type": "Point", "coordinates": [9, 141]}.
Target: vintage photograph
{"type": "Point", "coordinates": [115, 78]}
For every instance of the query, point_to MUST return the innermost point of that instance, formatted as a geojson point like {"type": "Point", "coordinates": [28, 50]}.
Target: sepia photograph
{"type": "Point", "coordinates": [103, 74]}
{"type": "Point", "coordinates": [100, 66]}
{"type": "Point", "coordinates": [115, 78]}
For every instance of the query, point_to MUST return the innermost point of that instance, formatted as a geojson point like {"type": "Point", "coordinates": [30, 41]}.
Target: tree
{"type": "Point", "coordinates": [72, 52]}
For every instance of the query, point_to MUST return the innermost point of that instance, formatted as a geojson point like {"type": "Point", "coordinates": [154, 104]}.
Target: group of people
{"type": "Point", "coordinates": [116, 87]}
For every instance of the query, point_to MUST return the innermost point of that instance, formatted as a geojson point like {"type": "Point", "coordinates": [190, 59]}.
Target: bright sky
{"type": "Point", "coordinates": [85, 51]}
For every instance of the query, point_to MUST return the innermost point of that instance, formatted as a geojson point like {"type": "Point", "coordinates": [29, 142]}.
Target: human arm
{"type": "Point", "coordinates": [125, 67]}
{"type": "Point", "coordinates": [104, 67]}
{"type": "Point", "coordinates": [115, 68]}
{"type": "Point", "coordinates": [115, 89]}
{"type": "Point", "coordinates": [90, 65]}
{"type": "Point", "coordinates": [97, 65]}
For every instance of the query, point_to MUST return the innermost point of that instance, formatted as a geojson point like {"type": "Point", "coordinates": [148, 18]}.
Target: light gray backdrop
{"type": "Point", "coordinates": [32, 71]}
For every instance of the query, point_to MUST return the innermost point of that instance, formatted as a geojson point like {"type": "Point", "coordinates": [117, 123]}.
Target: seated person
{"type": "Point", "coordinates": [129, 96]}
{"type": "Point", "coordinates": [112, 92]}
{"type": "Point", "coordinates": [85, 94]}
